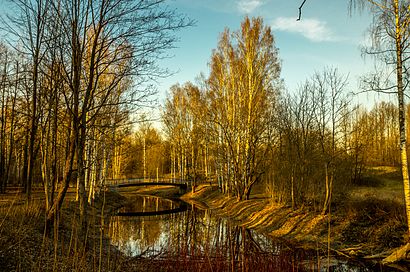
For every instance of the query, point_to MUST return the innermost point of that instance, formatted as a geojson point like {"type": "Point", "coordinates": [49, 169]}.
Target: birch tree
{"type": "Point", "coordinates": [184, 119]}
{"type": "Point", "coordinates": [390, 46]}
{"type": "Point", "coordinates": [243, 85]}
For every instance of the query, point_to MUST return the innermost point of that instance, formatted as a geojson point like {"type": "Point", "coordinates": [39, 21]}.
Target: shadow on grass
{"type": "Point", "coordinates": [379, 223]}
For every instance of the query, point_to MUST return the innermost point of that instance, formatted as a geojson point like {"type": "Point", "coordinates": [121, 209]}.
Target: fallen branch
{"type": "Point", "coordinates": [398, 255]}
{"type": "Point", "coordinates": [378, 256]}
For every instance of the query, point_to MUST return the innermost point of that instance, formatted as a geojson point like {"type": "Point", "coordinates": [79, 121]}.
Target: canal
{"type": "Point", "coordinates": [177, 236]}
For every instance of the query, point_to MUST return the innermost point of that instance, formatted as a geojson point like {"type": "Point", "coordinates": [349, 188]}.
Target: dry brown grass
{"type": "Point", "coordinates": [260, 214]}
{"type": "Point", "coordinates": [24, 247]}
{"type": "Point", "coordinates": [367, 220]}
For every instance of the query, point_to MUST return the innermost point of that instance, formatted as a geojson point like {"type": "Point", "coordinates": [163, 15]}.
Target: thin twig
{"type": "Point", "coordinates": [300, 10]}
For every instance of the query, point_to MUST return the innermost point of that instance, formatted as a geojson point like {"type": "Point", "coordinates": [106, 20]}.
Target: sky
{"type": "Point", "coordinates": [327, 36]}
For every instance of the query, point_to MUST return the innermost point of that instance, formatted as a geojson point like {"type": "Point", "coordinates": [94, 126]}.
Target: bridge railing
{"type": "Point", "coordinates": [113, 182]}
{"type": "Point", "coordinates": [187, 182]}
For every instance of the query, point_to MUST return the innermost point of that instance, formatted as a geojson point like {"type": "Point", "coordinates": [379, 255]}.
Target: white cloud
{"type": "Point", "coordinates": [248, 6]}
{"type": "Point", "coordinates": [312, 29]}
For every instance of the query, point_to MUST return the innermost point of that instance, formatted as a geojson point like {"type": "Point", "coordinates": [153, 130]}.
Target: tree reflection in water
{"type": "Point", "coordinates": [196, 240]}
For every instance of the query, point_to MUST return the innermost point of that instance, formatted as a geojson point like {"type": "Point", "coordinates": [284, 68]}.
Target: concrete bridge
{"type": "Point", "coordinates": [121, 183]}
{"type": "Point", "coordinates": [183, 186]}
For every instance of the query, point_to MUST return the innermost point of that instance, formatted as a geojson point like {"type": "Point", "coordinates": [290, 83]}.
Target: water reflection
{"type": "Point", "coordinates": [196, 240]}
{"type": "Point", "coordinates": [152, 206]}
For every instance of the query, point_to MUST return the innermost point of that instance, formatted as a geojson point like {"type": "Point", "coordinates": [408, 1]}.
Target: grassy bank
{"type": "Point", "coordinates": [368, 222]}
{"type": "Point", "coordinates": [24, 247]}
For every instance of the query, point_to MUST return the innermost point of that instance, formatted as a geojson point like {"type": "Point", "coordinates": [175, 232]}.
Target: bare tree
{"type": "Point", "coordinates": [390, 34]}
{"type": "Point", "coordinates": [243, 85]}
{"type": "Point", "coordinates": [5, 80]}
{"type": "Point", "coordinates": [184, 119]}
{"type": "Point", "coordinates": [108, 44]}
{"type": "Point", "coordinates": [330, 88]}
{"type": "Point", "coordinates": [28, 25]}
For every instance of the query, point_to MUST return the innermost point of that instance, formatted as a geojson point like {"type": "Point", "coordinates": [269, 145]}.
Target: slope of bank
{"type": "Point", "coordinates": [262, 215]}
{"type": "Point", "coordinates": [369, 228]}
{"type": "Point", "coordinates": [26, 248]}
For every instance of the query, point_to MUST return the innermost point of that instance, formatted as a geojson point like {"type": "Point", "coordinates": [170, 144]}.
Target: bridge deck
{"type": "Point", "coordinates": [132, 184]}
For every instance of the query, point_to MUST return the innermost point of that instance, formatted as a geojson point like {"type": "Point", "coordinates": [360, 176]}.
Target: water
{"type": "Point", "coordinates": [185, 238]}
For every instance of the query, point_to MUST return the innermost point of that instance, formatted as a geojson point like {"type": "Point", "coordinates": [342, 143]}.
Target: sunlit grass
{"type": "Point", "coordinates": [25, 246]}
{"type": "Point", "coordinates": [367, 220]}
{"type": "Point", "coordinates": [382, 182]}
{"type": "Point", "coordinates": [370, 214]}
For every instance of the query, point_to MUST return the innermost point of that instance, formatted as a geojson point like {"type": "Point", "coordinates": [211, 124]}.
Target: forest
{"type": "Point", "coordinates": [77, 76]}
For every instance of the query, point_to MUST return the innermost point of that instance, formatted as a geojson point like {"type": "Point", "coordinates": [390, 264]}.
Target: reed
{"type": "Point", "coordinates": [25, 247]}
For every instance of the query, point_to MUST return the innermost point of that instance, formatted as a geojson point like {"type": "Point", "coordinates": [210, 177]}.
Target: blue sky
{"type": "Point", "coordinates": [327, 35]}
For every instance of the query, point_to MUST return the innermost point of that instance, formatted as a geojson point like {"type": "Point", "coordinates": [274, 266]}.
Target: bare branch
{"type": "Point", "coordinates": [300, 10]}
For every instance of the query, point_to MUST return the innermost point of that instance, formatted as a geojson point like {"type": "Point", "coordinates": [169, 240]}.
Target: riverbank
{"type": "Point", "coordinates": [365, 225]}
{"type": "Point", "coordinates": [24, 247]}
{"type": "Point", "coordinates": [368, 229]}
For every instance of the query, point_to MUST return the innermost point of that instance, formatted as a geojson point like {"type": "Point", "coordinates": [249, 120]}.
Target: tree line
{"type": "Point", "coordinates": [72, 75]}
{"type": "Point", "coordinates": [240, 126]}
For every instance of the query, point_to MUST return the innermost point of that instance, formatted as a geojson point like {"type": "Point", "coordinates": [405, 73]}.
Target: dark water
{"type": "Point", "coordinates": [191, 239]}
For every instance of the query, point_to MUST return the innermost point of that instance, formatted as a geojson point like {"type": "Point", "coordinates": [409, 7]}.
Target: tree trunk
{"type": "Point", "coordinates": [54, 174]}
{"type": "Point", "coordinates": [327, 197]}
{"type": "Point", "coordinates": [193, 162]}
{"type": "Point", "coordinates": [292, 190]}
{"type": "Point", "coordinates": [11, 137]}
{"type": "Point", "coordinates": [33, 127]}
{"type": "Point", "coordinates": [402, 113]}
{"type": "Point", "coordinates": [68, 170]}
{"type": "Point", "coordinates": [45, 165]}
{"type": "Point", "coordinates": [25, 161]}
{"type": "Point", "coordinates": [3, 119]}
{"type": "Point", "coordinates": [81, 174]}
